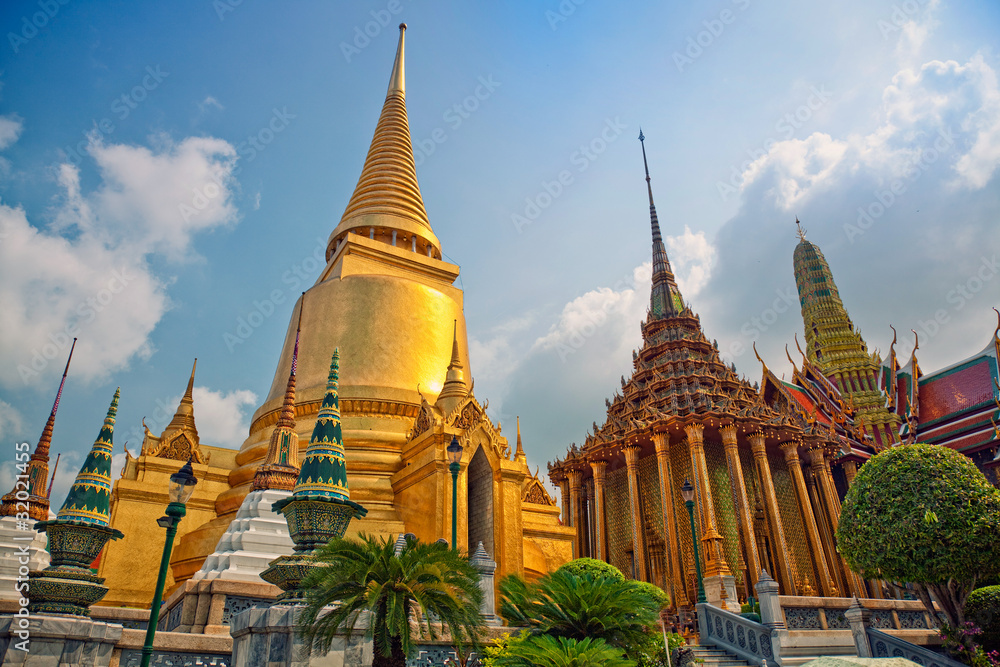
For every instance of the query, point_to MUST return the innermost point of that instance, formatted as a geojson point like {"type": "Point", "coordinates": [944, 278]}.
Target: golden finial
{"type": "Point", "coordinates": [799, 230]}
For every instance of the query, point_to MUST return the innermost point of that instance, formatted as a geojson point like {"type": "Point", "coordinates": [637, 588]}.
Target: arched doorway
{"type": "Point", "coordinates": [480, 503]}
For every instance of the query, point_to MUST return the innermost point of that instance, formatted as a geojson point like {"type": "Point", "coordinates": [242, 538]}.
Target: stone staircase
{"type": "Point", "coordinates": [712, 656]}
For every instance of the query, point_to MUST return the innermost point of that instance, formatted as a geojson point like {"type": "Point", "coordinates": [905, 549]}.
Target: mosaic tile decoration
{"type": "Point", "coordinates": [619, 519]}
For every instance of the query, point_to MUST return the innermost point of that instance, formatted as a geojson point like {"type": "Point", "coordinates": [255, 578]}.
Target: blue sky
{"type": "Point", "coordinates": [205, 150]}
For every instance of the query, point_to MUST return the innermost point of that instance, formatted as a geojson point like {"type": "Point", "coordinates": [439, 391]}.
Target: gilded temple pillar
{"type": "Point", "coordinates": [574, 502]}
{"type": "Point", "coordinates": [791, 451]}
{"type": "Point", "coordinates": [638, 539]}
{"type": "Point", "coordinates": [715, 562]}
{"type": "Point", "coordinates": [675, 573]}
{"type": "Point", "coordinates": [600, 518]}
{"type": "Point", "coordinates": [850, 470]}
{"type": "Point", "coordinates": [567, 512]}
{"type": "Point", "coordinates": [588, 518]}
{"type": "Point", "coordinates": [819, 463]}
{"type": "Point", "coordinates": [742, 505]}
{"type": "Point", "coordinates": [779, 544]}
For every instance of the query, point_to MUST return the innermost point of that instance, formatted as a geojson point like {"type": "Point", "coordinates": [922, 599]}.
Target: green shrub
{"type": "Point", "coordinates": [593, 567]}
{"type": "Point", "coordinates": [549, 651]}
{"type": "Point", "coordinates": [656, 593]}
{"type": "Point", "coordinates": [924, 515]}
{"type": "Point", "coordinates": [983, 609]}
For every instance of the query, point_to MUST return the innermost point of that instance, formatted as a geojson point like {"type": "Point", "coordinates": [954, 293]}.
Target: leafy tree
{"type": "Point", "coordinates": [594, 567]}
{"type": "Point", "coordinates": [551, 651]}
{"type": "Point", "coordinates": [424, 582]}
{"type": "Point", "coordinates": [562, 604]}
{"type": "Point", "coordinates": [926, 515]}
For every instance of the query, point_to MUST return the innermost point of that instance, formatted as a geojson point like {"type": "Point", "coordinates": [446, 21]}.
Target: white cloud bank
{"type": "Point", "coordinates": [88, 273]}
{"type": "Point", "coordinates": [941, 111]}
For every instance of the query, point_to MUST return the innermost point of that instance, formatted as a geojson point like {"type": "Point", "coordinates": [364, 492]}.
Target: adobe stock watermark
{"type": "Point", "coordinates": [86, 311]}
{"type": "Point", "coordinates": [25, 534]}
{"type": "Point", "coordinates": [565, 9]}
{"type": "Point", "coordinates": [902, 14]}
{"type": "Point", "coordinates": [597, 319]}
{"type": "Point", "coordinates": [704, 39]}
{"type": "Point", "coordinates": [786, 298]}
{"type": "Point", "coordinates": [122, 107]}
{"type": "Point", "coordinates": [30, 27]}
{"type": "Point", "coordinates": [364, 34]}
{"type": "Point", "coordinates": [786, 126]}
{"type": "Point", "coordinates": [295, 277]}
{"type": "Point", "coordinates": [454, 116]}
{"type": "Point", "coordinates": [581, 159]}
{"type": "Point", "coordinates": [958, 297]}
{"type": "Point", "coordinates": [248, 150]}
{"type": "Point", "coordinates": [886, 198]}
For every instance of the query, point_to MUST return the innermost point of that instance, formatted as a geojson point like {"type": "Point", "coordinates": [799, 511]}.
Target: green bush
{"type": "Point", "coordinates": [593, 567]}
{"type": "Point", "coordinates": [983, 609]}
{"type": "Point", "coordinates": [549, 651]}
{"type": "Point", "coordinates": [925, 515]}
{"type": "Point", "coordinates": [563, 604]}
{"type": "Point", "coordinates": [656, 593]}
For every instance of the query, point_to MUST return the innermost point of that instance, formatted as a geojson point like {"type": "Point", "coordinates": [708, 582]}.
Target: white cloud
{"type": "Point", "coordinates": [10, 129]}
{"type": "Point", "coordinates": [223, 418]}
{"type": "Point", "coordinates": [941, 112]}
{"type": "Point", "coordinates": [11, 422]}
{"type": "Point", "coordinates": [691, 256]}
{"type": "Point", "coordinates": [915, 31]}
{"type": "Point", "coordinates": [88, 275]}
{"type": "Point", "coordinates": [586, 315]}
{"type": "Point", "coordinates": [210, 103]}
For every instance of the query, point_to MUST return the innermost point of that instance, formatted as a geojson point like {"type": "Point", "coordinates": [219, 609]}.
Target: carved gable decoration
{"type": "Point", "coordinates": [424, 421]}
{"type": "Point", "coordinates": [468, 416]}
{"type": "Point", "coordinates": [534, 492]}
{"type": "Point", "coordinates": [179, 448]}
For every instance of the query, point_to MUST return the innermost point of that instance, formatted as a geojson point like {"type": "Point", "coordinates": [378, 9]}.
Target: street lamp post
{"type": "Point", "coordinates": [454, 465]}
{"type": "Point", "coordinates": [181, 487]}
{"type": "Point", "coordinates": [687, 492]}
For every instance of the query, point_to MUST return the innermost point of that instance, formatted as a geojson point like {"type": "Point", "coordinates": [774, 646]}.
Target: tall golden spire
{"type": "Point", "coordinates": [386, 203]}
{"type": "Point", "coordinates": [280, 468]}
{"type": "Point", "coordinates": [454, 389]}
{"type": "Point", "coordinates": [665, 297]}
{"type": "Point", "coordinates": [184, 416]}
{"type": "Point", "coordinates": [519, 452]}
{"type": "Point", "coordinates": [38, 465]}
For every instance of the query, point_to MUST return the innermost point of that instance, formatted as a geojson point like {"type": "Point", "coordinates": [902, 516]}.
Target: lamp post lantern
{"type": "Point", "coordinates": [454, 465]}
{"type": "Point", "coordinates": [687, 492]}
{"type": "Point", "coordinates": [182, 485]}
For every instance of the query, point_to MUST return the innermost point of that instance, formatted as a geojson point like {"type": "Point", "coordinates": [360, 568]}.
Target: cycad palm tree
{"type": "Point", "coordinates": [423, 589]}
{"type": "Point", "coordinates": [550, 651]}
{"type": "Point", "coordinates": [563, 604]}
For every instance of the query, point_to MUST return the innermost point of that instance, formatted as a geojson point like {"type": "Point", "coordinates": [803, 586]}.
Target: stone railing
{"type": "Point", "coordinates": [816, 613]}
{"type": "Point", "coordinates": [133, 658]}
{"type": "Point", "coordinates": [748, 640]}
{"type": "Point", "coordinates": [870, 642]}
{"type": "Point", "coordinates": [886, 646]}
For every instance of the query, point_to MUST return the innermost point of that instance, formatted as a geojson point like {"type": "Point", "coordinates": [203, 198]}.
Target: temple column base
{"type": "Point", "coordinates": [713, 592]}
{"type": "Point", "coordinates": [269, 636]}
{"type": "Point", "coordinates": [57, 640]}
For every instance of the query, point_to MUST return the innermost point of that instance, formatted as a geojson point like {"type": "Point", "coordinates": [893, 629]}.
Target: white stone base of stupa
{"type": "Point", "coordinates": [256, 536]}
{"type": "Point", "coordinates": [20, 546]}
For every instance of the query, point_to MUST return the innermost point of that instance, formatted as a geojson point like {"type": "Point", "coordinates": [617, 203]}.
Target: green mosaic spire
{"type": "Point", "coordinates": [324, 472]}
{"type": "Point", "coordinates": [89, 498]}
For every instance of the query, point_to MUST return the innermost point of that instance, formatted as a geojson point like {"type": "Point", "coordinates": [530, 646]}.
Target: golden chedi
{"type": "Point", "coordinates": [389, 302]}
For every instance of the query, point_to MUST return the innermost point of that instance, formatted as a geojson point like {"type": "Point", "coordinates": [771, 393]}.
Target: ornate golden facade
{"type": "Point", "coordinates": [765, 498]}
{"type": "Point", "coordinates": [389, 302]}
